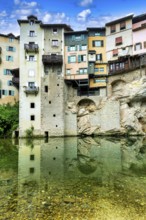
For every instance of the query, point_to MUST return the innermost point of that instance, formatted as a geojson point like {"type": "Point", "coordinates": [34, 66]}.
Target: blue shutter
{"type": "Point", "coordinates": [7, 48]}
{"type": "Point", "coordinates": [14, 49]}
{"type": "Point", "coordinates": [68, 48]}
{"type": "Point", "coordinates": [12, 92]}
{"type": "Point", "coordinates": [8, 82]}
{"type": "Point", "coordinates": [11, 58]}
{"type": "Point", "coordinates": [79, 58]}
{"type": "Point", "coordinates": [76, 47]}
{"type": "Point", "coordinates": [7, 58]}
{"type": "Point", "coordinates": [80, 47]}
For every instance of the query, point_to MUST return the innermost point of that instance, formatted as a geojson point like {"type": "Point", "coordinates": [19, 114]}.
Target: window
{"type": "Point", "coordinates": [31, 58]}
{"type": "Point", "coordinates": [115, 52]}
{"type": "Point", "coordinates": [118, 41]}
{"type": "Point", "coordinates": [4, 92]}
{"type": "Point", "coordinates": [78, 37]}
{"type": "Point", "coordinates": [32, 117]}
{"type": "Point", "coordinates": [32, 157]}
{"type": "Point", "coordinates": [54, 30]}
{"type": "Point", "coordinates": [122, 25]}
{"type": "Point", "coordinates": [31, 73]}
{"type": "Point", "coordinates": [97, 43]}
{"type": "Point", "coordinates": [55, 43]}
{"type": "Point", "coordinates": [138, 46]}
{"type": "Point", "coordinates": [99, 57]}
{"type": "Point", "coordinates": [11, 93]}
{"type": "Point", "coordinates": [68, 71]}
{"type": "Point", "coordinates": [31, 22]}
{"type": "Point", "coordinates": [83, 71]}
{"type": "Point", "coordinates": [9, 58]}
{"type": "Point", "coordinates": [46, 88]}
{"type": "Point", "coordinates": [31, 170]}
{"type": "Point", "coordinates": [31, 85]}
{"type": "Point", "coordinates": [11, 39]}
{"type": "Point", "coordinates": [113, 28]}
{"type": "Point", "coordinates": [72, 59]}
{"type": "Point", "coordinates": [7, 72]}
{"type": "Point", "coordinates": [32, 105]}
{"type": "Point", "coordinates": [9, 83]}
{"type": "Point", "coordinates": [83, 47]}
{"type": "Point", "coordinates": [10, 49]}
{"type": "Point", "coordinates": [81, 58]}
{"type": "Point", "coordinates": [72, 48]}
{"type": "Point", "coordinates": [32, 33]}
{"type": "Point", "coordinates": [99, 80]}
{"type": "Point", "coordinates": [101, 69]}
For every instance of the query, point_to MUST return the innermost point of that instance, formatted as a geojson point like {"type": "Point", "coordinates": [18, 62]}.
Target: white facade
{"type": "Point", "coordinates": [41, 78]}
{"type": "Point", "coordinates": [119, 38]}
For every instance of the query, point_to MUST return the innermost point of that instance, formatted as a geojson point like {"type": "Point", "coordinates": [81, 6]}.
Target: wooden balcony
{"type": "Point", "coordinates": [31, 48]}
{"type": "Point", "coordinates": [52, 59]}
{"type": "Point", "coordinates": [76, 76]}
{"type": "Point", "coordinates": [31, 90]}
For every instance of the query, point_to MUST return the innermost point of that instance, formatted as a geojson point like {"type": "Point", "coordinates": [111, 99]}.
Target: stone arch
{"type": "Point", "coordinates": [117, 87]}
{"type": "Point", "coordinates": [85, 108]}
{"type": "Point", "coordinates": [87, 103]}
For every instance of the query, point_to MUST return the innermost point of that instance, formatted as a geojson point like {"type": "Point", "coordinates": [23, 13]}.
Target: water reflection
{"type": "Point", "coordinates": [74, 178]}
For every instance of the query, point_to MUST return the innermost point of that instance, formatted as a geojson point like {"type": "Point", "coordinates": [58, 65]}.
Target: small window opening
{"type": "Point", "coordinates": [32, 157]}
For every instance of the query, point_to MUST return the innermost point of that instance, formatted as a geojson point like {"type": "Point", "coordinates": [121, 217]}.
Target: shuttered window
{"type": "Point", "coordinates": [122, 25]}
{"type": "Point", "coordinates": [113, 28]}
{"type": "Point", "coordinates": [115, 52]}
{"type": "Point", "coordinates": [144, 44]}
{"type": "Point", "coordinates": [118, 41]}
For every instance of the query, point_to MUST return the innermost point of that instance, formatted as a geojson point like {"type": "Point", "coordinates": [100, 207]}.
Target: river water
{"type": "Point", "coordinates": [73, 178]}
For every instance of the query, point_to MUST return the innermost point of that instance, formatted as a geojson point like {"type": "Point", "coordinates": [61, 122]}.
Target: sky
{"type": "Point", "coordinates": [79, 14]}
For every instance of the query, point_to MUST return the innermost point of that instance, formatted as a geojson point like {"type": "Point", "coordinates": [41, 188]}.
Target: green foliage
{"type": "Point", "coordinates": [29, 132]}
{"type": "Point", "coordinates": [9, 119]}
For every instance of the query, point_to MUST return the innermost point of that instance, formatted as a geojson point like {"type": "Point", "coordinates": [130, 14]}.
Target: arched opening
{"type": "Point", "coordinates": [118, 87]}
{"type": "Point", "coordinates": [85, 124]}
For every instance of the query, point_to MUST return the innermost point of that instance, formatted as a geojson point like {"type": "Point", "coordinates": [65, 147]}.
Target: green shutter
{"type": "Point", "coordinates": [73, 37]}
{"type": "Point", "coordinates": [12, 92]}
{"type": "Point", "coordinates": [76, 47]}
{"type": "Point", "coordinates": [68, 59]}
{"type": "Point", "coordinates": [68, 48]}
{"type": "Point", "coordinates": [80, 47]}
{"type": "Point", "coordinates": [7, 58]}
{"type": "Point", "coordinates": [6, 92]}
{"type": "Point", "coordinates": [79, 58]}
{"type": "Point", "coordinates": [7, 48]}
{"type": "Point", "coordinates": [11, 58]}
{"type": "Point", "coordinates": [5, 72]}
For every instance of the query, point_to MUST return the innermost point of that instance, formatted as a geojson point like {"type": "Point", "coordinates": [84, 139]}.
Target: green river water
{"type": "Point", "coordinates": [73, 179]}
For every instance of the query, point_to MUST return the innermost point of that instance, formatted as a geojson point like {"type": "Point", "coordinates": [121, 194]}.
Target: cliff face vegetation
{"type": "Point", "coordinates": [9, 119]}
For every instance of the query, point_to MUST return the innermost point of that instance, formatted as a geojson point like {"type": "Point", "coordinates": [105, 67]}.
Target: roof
{"type": "Point", "coordinates": [77, 32]}
{"type": "Point", "coordinates": [65, 26]}
{"type": "Point", "coordinates": [139, 18]}
{"type": "Point", "coordinates": [119, 20]}
{"type": "Point", "coordinates": [9, 35]}
{"type": "Point", "coordinates": [96, 28]}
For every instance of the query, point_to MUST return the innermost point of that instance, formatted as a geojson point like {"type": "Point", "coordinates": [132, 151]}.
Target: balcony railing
{"type": "Point", "coordinates": [31, 90]}
{"type": "Point", "coordinates": [31, 47]}
{"type": "Point", "coordinates": [52, 59]}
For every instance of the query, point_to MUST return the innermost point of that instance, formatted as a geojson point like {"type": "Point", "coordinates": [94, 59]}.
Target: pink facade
{"type": "Point", "coordinates": [139, 37]}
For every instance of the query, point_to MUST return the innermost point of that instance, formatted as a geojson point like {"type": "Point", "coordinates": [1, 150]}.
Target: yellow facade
{"type": "Point", "coordinates": [100, 66]}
